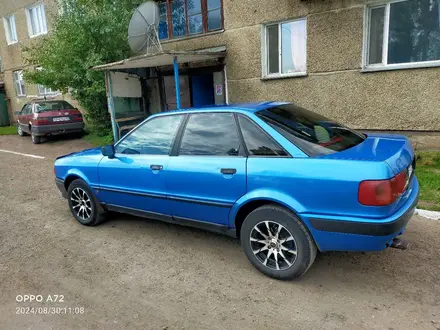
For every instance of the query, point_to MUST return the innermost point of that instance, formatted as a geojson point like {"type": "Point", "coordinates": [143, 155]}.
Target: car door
{"type": "Point", "coordinates": [23, 117]}
{"type": "Point", "coordinates": [208, 173]}
{"type": "Point", "coordinates": [134, 180]}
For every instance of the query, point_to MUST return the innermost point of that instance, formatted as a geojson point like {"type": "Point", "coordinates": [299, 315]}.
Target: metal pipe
{"type": "Point", "coordinates": [111, 107]}
{"type": "Point", "coordinates": [177, 81]}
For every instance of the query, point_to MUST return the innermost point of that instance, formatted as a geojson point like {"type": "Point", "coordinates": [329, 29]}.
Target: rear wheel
{"type": "Point", "coordinates": [277, 243]}
{"type": "Point", "coordinates": [83, 204]}
{"type": "Point", "coordinates": [36, 139]}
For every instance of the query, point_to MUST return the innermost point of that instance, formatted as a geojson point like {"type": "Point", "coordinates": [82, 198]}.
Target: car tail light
{"type": "Point", "coordinates": [382, 192]}
{"type": "Point", "coordinates": [41, 121]}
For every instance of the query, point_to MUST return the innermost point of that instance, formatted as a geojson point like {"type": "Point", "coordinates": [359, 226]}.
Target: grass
{"type": "Point", "coordinates": [428, 173]}
{"type": "Point", "coordinates": [8, 130]}
{"type": "Point", "coordinates": [97, 140]}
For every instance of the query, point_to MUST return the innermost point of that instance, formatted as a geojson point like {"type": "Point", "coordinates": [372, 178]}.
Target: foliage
{"type": "Point", "coordinates": [428, 173]}
{"type": "Point", "coordinates": [97, 140]}
{"type": "Point", "coordinates": [8, 130]}
{"type": "Point", "coordinates": [85, 34]}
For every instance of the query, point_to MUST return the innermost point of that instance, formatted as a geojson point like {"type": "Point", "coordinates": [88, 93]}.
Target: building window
{"type": "Point", "coordinates": [10, 29]}
{"type": "Point", "coordinates": [180, 18]}
{"type": "Point", "coordinates": [43, 90]}
{"type": "Point", "coordinates": [36, 19]}
{"type": "Point", "coordinates": [19, 83]}
{"type": "Point", "coordinates": [284, 49]}
{"type": "Point", "coordinates": [402, 34]}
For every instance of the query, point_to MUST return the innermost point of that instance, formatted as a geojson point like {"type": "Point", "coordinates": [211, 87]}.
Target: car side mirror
{"type": "Point", "coordinates": [108, 151]}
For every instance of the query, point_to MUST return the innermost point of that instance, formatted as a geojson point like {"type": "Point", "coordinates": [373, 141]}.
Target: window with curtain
{"type": "Point", "coordinates": [284, 48]}
{"type": "Point", "coordinates": [403, 34]}
{"type": "Point", "coordinates": [181, 18]}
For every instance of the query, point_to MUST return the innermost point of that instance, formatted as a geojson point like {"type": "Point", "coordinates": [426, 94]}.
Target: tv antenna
{"type": "Point", "coordinates": [143, 29]}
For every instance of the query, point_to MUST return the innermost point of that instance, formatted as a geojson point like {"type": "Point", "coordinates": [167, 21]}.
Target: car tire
{"type": "Point", "coordinates": [20, 131]}
{"type": "Point", "coordinates": [35, 139]}
{"type": "Point", "coordinates": [83, 204]}
{"type": "Point", "coordinates": [283, 253]}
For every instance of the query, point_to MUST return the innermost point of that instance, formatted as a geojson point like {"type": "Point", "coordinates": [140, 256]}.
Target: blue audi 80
{"type": "Point", "coordinates": [287, 181]}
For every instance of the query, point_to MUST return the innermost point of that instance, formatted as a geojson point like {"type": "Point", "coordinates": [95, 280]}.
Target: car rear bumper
{"type": "Point", "coordinates": [357, 234]}
{"type": "Point", "coordinates": [60, 185]}
{"type": "Point", "coordinates": [57, 129]}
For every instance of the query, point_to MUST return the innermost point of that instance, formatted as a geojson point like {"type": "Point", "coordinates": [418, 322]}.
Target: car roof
{"type": "Point", "coordinates": [242, 107]}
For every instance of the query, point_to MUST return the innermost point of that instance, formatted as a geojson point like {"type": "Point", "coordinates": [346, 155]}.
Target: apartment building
{"type": "Point", "coordinates": [22, 22]}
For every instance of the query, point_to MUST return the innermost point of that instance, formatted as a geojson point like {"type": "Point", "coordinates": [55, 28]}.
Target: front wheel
{"type": "Point", "coordinates": [277, 243]}
{"type": "Point", "coordinates": [83, 204]}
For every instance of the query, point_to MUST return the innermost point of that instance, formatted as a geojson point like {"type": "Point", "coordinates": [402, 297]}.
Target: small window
{"type": "Point", "coordinates": [403, 34]}
{"type": "Point", "coordinates": [43, 90]}
{"type": "Point", "coordinates": [10, 29]}
{"type": "Point", "coordinates": [210, 134]}
{"type": "Point", "coordinates": [258, 143]}
{"type": "Point", "coordinates": [163, 23]}
{"type": "Point", "coordinates": [36, 19]}
{"type": "Point", "coordinates": [155, 137]}
{"type": "Point", "coordinates": [20, 90]}
{"type": "Point", "coordinates": [284, 49]}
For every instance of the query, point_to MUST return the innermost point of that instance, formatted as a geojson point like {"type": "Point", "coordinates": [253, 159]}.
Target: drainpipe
{"type": "Point", "coordinates": [177, 81]}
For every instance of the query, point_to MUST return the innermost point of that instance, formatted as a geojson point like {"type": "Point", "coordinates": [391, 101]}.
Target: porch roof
{"type": "Point", "coordinates": [162, 59]}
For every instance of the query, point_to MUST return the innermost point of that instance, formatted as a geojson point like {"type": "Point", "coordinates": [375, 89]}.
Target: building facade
{"type": "Point", "coordinates": [368, 64]}
{"type": "Point", "coordinates": [22, 22]}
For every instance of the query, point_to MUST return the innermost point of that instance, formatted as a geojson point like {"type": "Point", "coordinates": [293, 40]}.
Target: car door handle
{"type": "Point", "coordinates": [228, 170]}
{"type": "Point", "coordinates": [156, 167]}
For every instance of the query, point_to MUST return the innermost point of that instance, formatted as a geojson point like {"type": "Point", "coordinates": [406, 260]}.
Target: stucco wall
{"type": "Point", "coordinates": [12, 56]}
{"type": "Point", "coordinates": [335, 85]}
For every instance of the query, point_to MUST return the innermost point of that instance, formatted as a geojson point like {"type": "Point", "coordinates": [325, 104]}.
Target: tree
{"type": "Point", "coordinates": [86, 33]}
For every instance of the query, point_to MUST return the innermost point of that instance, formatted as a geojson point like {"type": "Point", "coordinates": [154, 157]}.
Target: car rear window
{"type": "Point", "coordinates": [314, 134]}
{"type": "Point", "coordinates": [50, 106]}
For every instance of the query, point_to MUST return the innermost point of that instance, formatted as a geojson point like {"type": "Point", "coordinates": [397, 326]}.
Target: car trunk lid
{"type": "Point", "coordinates": [55, 116]}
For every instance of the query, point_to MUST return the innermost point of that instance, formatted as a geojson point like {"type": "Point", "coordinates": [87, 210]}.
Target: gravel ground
{"type": "Point", "coordinates": [135, 273]}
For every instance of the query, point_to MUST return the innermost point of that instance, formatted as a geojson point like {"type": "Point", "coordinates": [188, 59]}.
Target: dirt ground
{"type": "Point", "coordinates": [132, 273]}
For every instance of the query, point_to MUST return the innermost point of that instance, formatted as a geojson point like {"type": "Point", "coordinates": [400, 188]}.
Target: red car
{"type": "Point", "coordinates": [54, 117]}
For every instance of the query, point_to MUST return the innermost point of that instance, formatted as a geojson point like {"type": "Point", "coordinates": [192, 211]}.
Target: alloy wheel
{"type": "Point", "coordinates": [81, 203]}
{"type": "Point", "coordinates": [20, 131]}
{"type": "Point", "coordinates": [273, 245]}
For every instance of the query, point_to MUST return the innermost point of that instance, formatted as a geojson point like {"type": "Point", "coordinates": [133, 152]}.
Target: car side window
{"type": "Point", "coordinates": [210, 134]}
{"type": "Point", "coordinates": [155, 137]}
{"type": "Point", "coordinates": [26, 109]}
{"type": "Point", "coordinates": [258, 143]}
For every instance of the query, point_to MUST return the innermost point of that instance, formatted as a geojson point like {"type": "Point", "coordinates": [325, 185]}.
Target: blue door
{"type": "Point", "coordinates": [209, 173]}
{"type": "Point", "coordinates": [135, 179]}
{"type": "Point", "coordinates": [202, 90]}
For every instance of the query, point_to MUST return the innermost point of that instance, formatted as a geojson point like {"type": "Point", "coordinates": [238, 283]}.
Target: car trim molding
{"type": "Point", "coordinates": [173, 198]}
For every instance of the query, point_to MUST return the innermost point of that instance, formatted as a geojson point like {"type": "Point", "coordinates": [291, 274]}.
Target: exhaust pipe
{"type": "Point", "coordinates": [399, 243]}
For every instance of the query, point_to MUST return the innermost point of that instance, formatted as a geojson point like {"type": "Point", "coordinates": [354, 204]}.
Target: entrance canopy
{"type": "Point", "coordinates": [162, 59]}
{"type": "Point", "coordinates": [133, 90]}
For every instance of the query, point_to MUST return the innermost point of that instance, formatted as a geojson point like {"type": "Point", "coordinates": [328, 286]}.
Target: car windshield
{"type": "Point", "coordinates": [314, 134]}
{"type": "Point", "coordinates": [53, 105]}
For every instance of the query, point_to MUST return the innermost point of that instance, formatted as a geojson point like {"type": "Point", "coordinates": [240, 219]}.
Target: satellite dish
{"type": "Point", "coordinates": [142, 30]}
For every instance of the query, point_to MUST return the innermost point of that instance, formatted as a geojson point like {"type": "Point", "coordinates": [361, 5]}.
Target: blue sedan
{"type": "Point", "coordinates": [286, 181]}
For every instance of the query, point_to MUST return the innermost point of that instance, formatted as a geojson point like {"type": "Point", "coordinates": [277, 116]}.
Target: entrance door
{"type": "Point", "coordinates": [202, 90]}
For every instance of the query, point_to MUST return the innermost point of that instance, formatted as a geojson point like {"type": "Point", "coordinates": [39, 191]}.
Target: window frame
{"type": "Point", "coordinates": [242, 152]}
{"type": "Point", "coordinates": [264, 51]}
{"type": "Point", "coordinates": [29, 20]}
{"type": "Point", "coordinates": [144, 123]}
{"type": "Point", "coordinates": [9, 32]}
{"type": "Point", "coordinates": [204, 12]}
{"type": "Point", "coordinates": [20, 73]}
{"type": "Point", "coordinates": [384, 66]}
